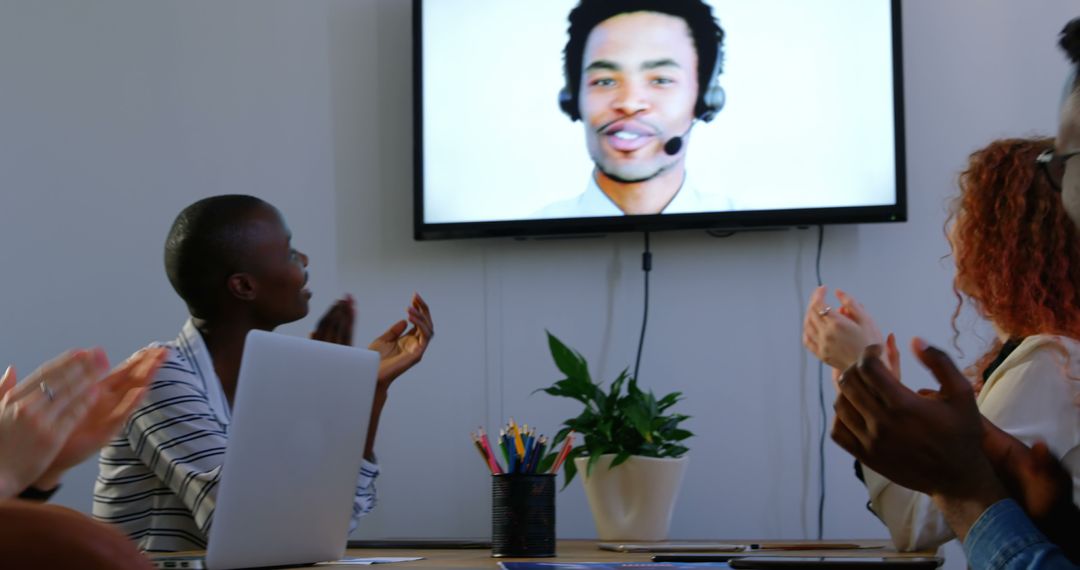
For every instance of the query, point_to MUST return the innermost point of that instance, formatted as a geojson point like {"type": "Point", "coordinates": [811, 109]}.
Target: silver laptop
{"type": "Point", "coordinates": [296, 439]}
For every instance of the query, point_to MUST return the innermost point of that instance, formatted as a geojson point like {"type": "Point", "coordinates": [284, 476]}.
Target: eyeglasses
{"type": "Point", "coordinates": [1053, 166]}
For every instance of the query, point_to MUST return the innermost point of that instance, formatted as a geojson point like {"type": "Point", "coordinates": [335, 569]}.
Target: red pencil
{"type": "Point", "coordinates": [569, 443]}
{"type": "Point", "coordinates": [480, 450]}
{"type": "Point", "coordinates": [492, 463]}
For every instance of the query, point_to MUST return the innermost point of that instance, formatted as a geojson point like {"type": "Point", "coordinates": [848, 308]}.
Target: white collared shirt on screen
{"type": "Point", "coordinates": [594, 203]}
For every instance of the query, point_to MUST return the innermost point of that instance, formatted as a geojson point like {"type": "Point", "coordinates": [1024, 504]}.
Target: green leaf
{"type": "Point", "coordinates": [568, 361]}
{"type": "Point", "coordinates": [593, 460]}
{"type": "Point", "coordinates": [678, 435]}
{"type": "Point", "coordinates": [673, 451]}
{"type": "Point", "coordinates": [650, 403]}
{"type": "Point", "coordinates": [546, 462]}
{"type": "Point", "coordinates": [620, 459]}
{"type": "Point", "coordinates": [632, 390]}
{"type": "Point", "coordinates": [616, 388]}
{"type": "Point", "coordinates": [638, 417]}
{"type": "Point", "coordinates": [567, 388]}
{"type": "Point", "coordinates": [650, 449]}
{"type": "Point", "coordinates": [604, 427]}
{"type": "Point", "coordinates": [621, 419]}
{"type": "Point", "coordinates": [570, 469]}
{"type": "Point", "coordinates": [669, 400]}
{"type": "Point", "coordinates": [668, 423]}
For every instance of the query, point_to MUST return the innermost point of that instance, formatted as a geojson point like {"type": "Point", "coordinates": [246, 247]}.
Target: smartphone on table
{"type": "Point", "coordinates": [836, 562]}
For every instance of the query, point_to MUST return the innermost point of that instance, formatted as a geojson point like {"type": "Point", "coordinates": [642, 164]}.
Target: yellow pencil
{"type": "Point", "coordinates": [518, 444]}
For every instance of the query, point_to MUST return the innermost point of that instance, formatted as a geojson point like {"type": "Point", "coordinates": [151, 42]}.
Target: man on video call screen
{"type": "Point", "coordinates": [810, 121]}
{"type": "Point", "coordinates": [639, 75]}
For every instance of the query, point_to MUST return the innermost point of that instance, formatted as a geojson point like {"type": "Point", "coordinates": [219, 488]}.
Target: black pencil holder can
{"type": "Point", "coordinates": [523, 515]}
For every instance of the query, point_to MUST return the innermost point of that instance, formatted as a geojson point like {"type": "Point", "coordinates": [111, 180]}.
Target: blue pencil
{"type": "Point", "coordinates": [538, 454]}
{"type": "Point", "coordinates": [513, 462]}
{"type": "Point", "coordinates": [529, 449]}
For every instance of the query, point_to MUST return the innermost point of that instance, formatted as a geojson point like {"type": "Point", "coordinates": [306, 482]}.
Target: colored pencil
{"type": "Point", "coordinates": [496, 469]}
{"type": "Point", "coordinates": [518, 444]}
{"type": "Point", "coordinates": [569, 443]}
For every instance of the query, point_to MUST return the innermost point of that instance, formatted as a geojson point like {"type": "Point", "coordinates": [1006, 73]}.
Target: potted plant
{"type": "Point", "coordinates": [633, 458]}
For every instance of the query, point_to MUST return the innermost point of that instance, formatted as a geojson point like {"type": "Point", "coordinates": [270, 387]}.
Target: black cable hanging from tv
{"type": "Point", "coordinates": [821, 404]}
{"type": "Point", "coordinates": [646, 267]}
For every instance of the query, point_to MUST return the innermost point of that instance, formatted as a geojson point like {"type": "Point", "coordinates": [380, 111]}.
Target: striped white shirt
{"type": "Point", "coordinates": [158, 479]}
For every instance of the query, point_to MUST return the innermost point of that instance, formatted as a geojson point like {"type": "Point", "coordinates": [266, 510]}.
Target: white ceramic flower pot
{"type": "Point", "coordinates": [635, 500]}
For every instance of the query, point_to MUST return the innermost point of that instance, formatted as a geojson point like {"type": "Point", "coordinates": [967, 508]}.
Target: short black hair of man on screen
{"type": "Point", "coordinates": [1070, 40]}
{"type": "Point", "coordinates": [206, 244]}
{"type": "Point", "coordinates": [706, 32]}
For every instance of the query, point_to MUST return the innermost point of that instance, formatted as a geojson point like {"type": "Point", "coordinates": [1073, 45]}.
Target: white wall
{"type": "Point", "coordinates": [117, 113]}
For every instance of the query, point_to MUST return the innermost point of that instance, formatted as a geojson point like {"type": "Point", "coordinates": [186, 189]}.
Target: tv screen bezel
{"type": "Point", "coordinates": [718, 221]}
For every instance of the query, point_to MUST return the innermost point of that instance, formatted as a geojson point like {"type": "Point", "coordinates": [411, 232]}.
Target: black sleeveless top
{"type": "Point", "coordinates": [1006, 349]}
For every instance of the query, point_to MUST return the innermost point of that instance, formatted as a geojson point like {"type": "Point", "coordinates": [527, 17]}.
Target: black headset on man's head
{"type": "Point", "coordinates": [709, 103]}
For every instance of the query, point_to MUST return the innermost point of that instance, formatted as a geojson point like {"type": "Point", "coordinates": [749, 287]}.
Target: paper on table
{"type": "Point", "coordinates": [673, 547]}
{"type": "Point", "coordinates": [368, 561]}
{"type": "Point", "coordinates": [814, 545]}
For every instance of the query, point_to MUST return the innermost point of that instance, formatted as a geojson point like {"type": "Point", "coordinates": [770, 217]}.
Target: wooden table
{"type": "Point", "coordinates": [587, 551]}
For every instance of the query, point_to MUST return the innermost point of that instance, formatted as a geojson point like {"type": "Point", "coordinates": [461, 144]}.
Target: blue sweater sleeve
{"type": "Point", "coordinates": [1004, 538]}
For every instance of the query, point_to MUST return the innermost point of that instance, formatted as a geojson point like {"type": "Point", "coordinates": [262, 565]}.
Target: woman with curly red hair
{"type": "Point", "coordinates": [1018, 263]}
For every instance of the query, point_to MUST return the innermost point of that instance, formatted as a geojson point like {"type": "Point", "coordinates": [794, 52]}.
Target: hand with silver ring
{"type": "Point", "coordinates": [38, 417]}
{"type": "Point", "coordinates": [114, 398]}
{"type": "Point", "coordinates": [837, 335]}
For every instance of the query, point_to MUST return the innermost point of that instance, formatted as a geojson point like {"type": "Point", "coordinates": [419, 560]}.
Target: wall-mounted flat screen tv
{"type": "Point", "coordinates": [542, 117]}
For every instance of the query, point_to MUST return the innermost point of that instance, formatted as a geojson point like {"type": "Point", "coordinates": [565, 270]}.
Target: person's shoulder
{"type": "Point", "coordinates": [175, 388]}
{"type": "Point", "coordinates": [1045, 356]}
{"type": "Point", "coordinates": [177, 361]}
{"type": "Point", "coordinates": [176, 375]}
{"type": "Point", "coordinates": [1044, 344]}
{"type": "Point", "coordinates": [693, 198]}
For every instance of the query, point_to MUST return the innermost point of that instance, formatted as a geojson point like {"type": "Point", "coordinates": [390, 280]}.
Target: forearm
{"type": "Point", "coordinates": [963, 506]}
{"type": "Point", "coordinates": [913, 521]}
{"type": "Point", "coordinates": [12, 485]}
{"type": "Point", "coordinates": [194, 482]}
{"type": "Point", "coordinates": [364, 498]}
{"type": "Point", "coordinates": [373, 423]}
{"type": "Point", "coordinates": [177, 437]}
{"type": "Point", "coordinates": [50, 480]}
{"type": "Point", "coordinates": [961, 515]}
